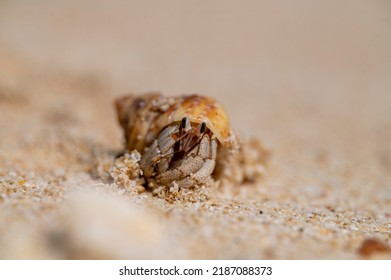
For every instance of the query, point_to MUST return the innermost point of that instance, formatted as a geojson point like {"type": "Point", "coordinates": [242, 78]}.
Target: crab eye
{"type": "Point", "coordinates": [203, 127]}
{"type": "Point", "coordinates": [183, 122]}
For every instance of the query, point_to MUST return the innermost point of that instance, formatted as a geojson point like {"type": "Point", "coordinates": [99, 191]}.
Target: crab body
{"type": "Point", "coordinates": [178, 137]}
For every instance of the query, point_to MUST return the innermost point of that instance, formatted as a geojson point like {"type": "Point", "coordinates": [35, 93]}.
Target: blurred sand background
{"type": "Point", "coordinates": [311, 80]}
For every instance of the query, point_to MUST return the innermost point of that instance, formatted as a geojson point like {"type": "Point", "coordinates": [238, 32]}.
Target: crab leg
{"type": "Point", "coordinates": [157, 152]}
{"type": "Point", "coordinates": [202, 174]}
{"type": "Point", "coordinates": [188, 166]}
{"type": "Point", "coordinates": [165, 141]}
{"type": "Point", "coordinates": [194, 169]}
{"type": "Point", "coordinates": [193, 163]}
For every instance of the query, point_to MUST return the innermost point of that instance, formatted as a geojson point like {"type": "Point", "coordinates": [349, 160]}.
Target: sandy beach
{"type": "Point", "coordinates": [311, 82]}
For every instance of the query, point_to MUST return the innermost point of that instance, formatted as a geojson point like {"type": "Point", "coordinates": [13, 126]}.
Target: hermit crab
{"type": "Point", "coordinates": [179, 138]}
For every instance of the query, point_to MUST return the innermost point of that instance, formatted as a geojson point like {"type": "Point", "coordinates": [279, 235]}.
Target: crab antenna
{"type": "Point", "coordinates": [174, 152]}
{"type": "Point", "coordinates": [182, 136]}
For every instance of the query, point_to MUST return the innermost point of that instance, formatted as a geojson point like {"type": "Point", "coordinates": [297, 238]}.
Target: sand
{"type": "Point", "coordinates": [315, 95]}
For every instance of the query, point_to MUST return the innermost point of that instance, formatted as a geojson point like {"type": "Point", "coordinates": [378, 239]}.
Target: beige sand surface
{"type": "Point", "coordinates": [312, 81]}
